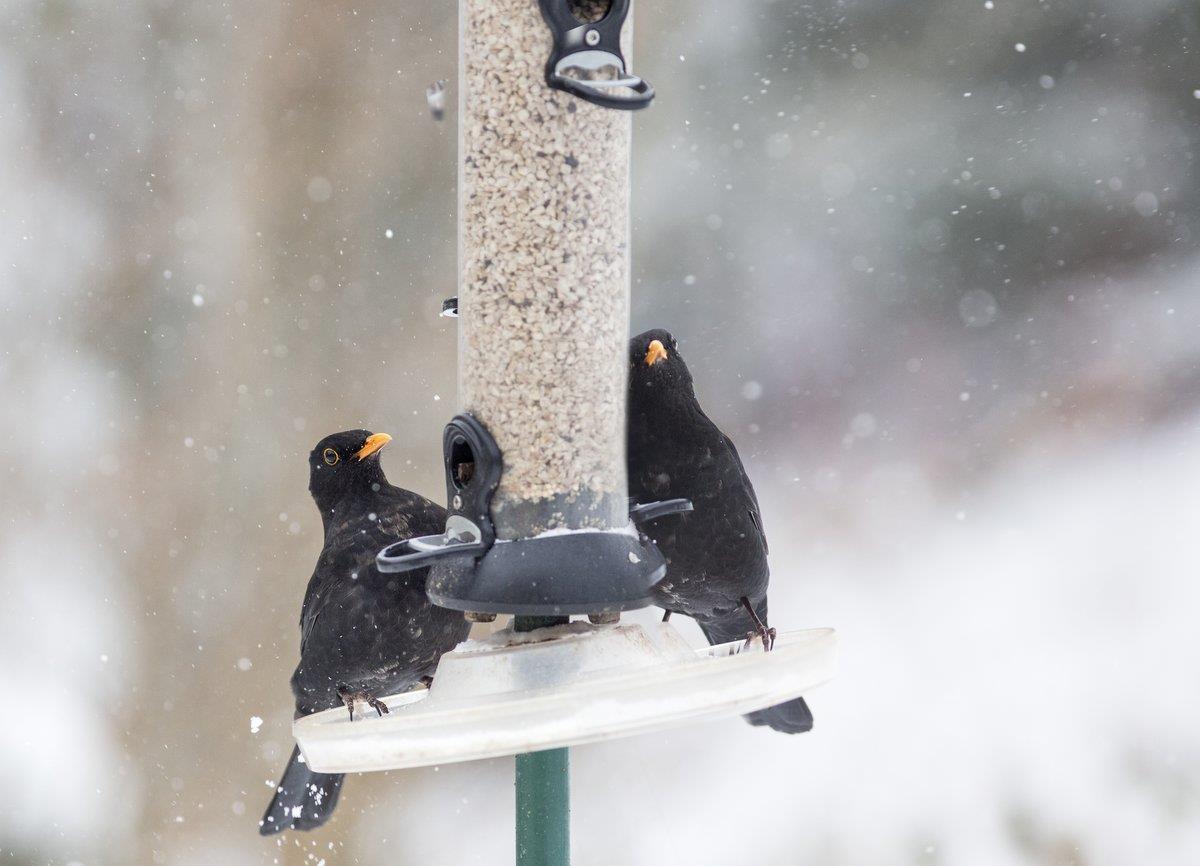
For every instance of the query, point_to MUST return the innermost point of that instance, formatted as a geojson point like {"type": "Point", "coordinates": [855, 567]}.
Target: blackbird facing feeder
{"type": "Point", "coordinates": [363, 634]}
{"type": "Point", "coordinates": [717, 554]}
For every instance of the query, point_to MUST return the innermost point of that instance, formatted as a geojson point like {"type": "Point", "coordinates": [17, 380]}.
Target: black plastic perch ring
{"type": "Point", "coordinates": [597, 92]}
{"type": "Point", "coordinates": [591, 47]}
{"type": "Point", "coordinates": [648, 511]}
{"type": "Point", "coordinates": [414, 553]}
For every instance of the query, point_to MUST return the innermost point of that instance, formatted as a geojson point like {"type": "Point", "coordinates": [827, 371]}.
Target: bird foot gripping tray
{"type": "Point", "coordinates": [565, 685]}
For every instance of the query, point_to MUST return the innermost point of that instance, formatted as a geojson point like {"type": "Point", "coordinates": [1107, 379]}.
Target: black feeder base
{"type": "Point", "coordinates": [572, 573]}
{"type": "Point", "coordinates": [559, 573]}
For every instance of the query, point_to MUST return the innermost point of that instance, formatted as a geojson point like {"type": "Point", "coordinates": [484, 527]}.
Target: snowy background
{"type": "Point", "coordinates": [936, 266]}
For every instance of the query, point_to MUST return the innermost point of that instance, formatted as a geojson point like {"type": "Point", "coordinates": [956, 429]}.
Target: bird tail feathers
{"type": "Point", "coordinates": [791, 717]}
{"type": "Point", "coordinates": [303, 800]}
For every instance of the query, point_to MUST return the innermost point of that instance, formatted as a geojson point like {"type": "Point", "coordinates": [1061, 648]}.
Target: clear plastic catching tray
{"type": "Point", "coordinates": [564, 686]}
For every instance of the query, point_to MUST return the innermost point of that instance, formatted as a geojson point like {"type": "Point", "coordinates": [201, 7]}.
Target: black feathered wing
{"type": "Point", "coordinates": [755, 513]}
{"type": "Point", "coordinates": [415, 516]}
{"type": "Point", "coordinates": [311, 608]}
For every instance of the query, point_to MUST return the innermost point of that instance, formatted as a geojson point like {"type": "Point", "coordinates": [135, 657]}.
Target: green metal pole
{"type": "Point", "coordinates": [543, 783]}
{"type": "Point", "coordinates": [543, 808]}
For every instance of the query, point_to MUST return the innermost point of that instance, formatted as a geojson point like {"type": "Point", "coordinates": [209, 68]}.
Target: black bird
{"type": "Point", "coordinates": [363, 634]}
{"type": "Point", "coordinates": [717, 554]}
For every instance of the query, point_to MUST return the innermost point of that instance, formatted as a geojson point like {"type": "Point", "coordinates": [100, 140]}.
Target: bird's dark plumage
{"type": "Point", "coordinates": [717, 553]}
{"type": "Point", "coordinates": [363, 634]}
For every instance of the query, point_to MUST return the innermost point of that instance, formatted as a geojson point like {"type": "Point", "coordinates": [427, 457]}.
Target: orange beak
{"type": "Point", "coordinates": [657, 352]}
{"type": "Point", "coordinates": [374, 442]}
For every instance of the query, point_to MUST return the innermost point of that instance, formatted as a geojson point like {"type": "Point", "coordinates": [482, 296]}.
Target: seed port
{"type": "Point", "coordinates": [586, 59]}
{"type": "Point", "coordinates": [589, 11]}
{"type": "Point", "coordinates": [462, 463]}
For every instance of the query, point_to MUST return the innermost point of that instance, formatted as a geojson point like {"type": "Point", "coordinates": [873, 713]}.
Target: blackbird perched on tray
{"type": "Point", "coordinates": [716, 554]}
{"type": "Point", "coordinates": [363, 634]}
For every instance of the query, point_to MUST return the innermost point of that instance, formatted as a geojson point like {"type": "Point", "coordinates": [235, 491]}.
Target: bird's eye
{"type": "Point", "coordinates": [331, 456]}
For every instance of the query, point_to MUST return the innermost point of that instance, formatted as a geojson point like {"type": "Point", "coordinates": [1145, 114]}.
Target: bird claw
{"type": "Point", "coordinates": [351, 696]}
{"type": "Point", "coordinates": [767, 635]}
{"type": "Point", "coordinates": [762, 630]}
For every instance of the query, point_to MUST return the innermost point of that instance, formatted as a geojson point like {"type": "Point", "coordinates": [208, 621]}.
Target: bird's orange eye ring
{"type": "Point", "coordinates": [331, 456]}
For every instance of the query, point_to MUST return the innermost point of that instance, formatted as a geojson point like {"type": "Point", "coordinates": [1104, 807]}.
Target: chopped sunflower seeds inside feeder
{"type": "Point", "coordinates": [544, 276]}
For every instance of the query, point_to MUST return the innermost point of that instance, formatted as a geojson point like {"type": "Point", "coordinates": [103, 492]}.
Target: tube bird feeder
{"type": "Point", "coordinates": [539, 523]}
{"type": "Point", "coordinates": [543, 277]}
{"type": "Point", "coordinates": [535, 463]}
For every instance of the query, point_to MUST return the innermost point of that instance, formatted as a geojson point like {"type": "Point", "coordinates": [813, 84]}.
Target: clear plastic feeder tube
{"type": "Point", "coordinates": [543, 276]}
